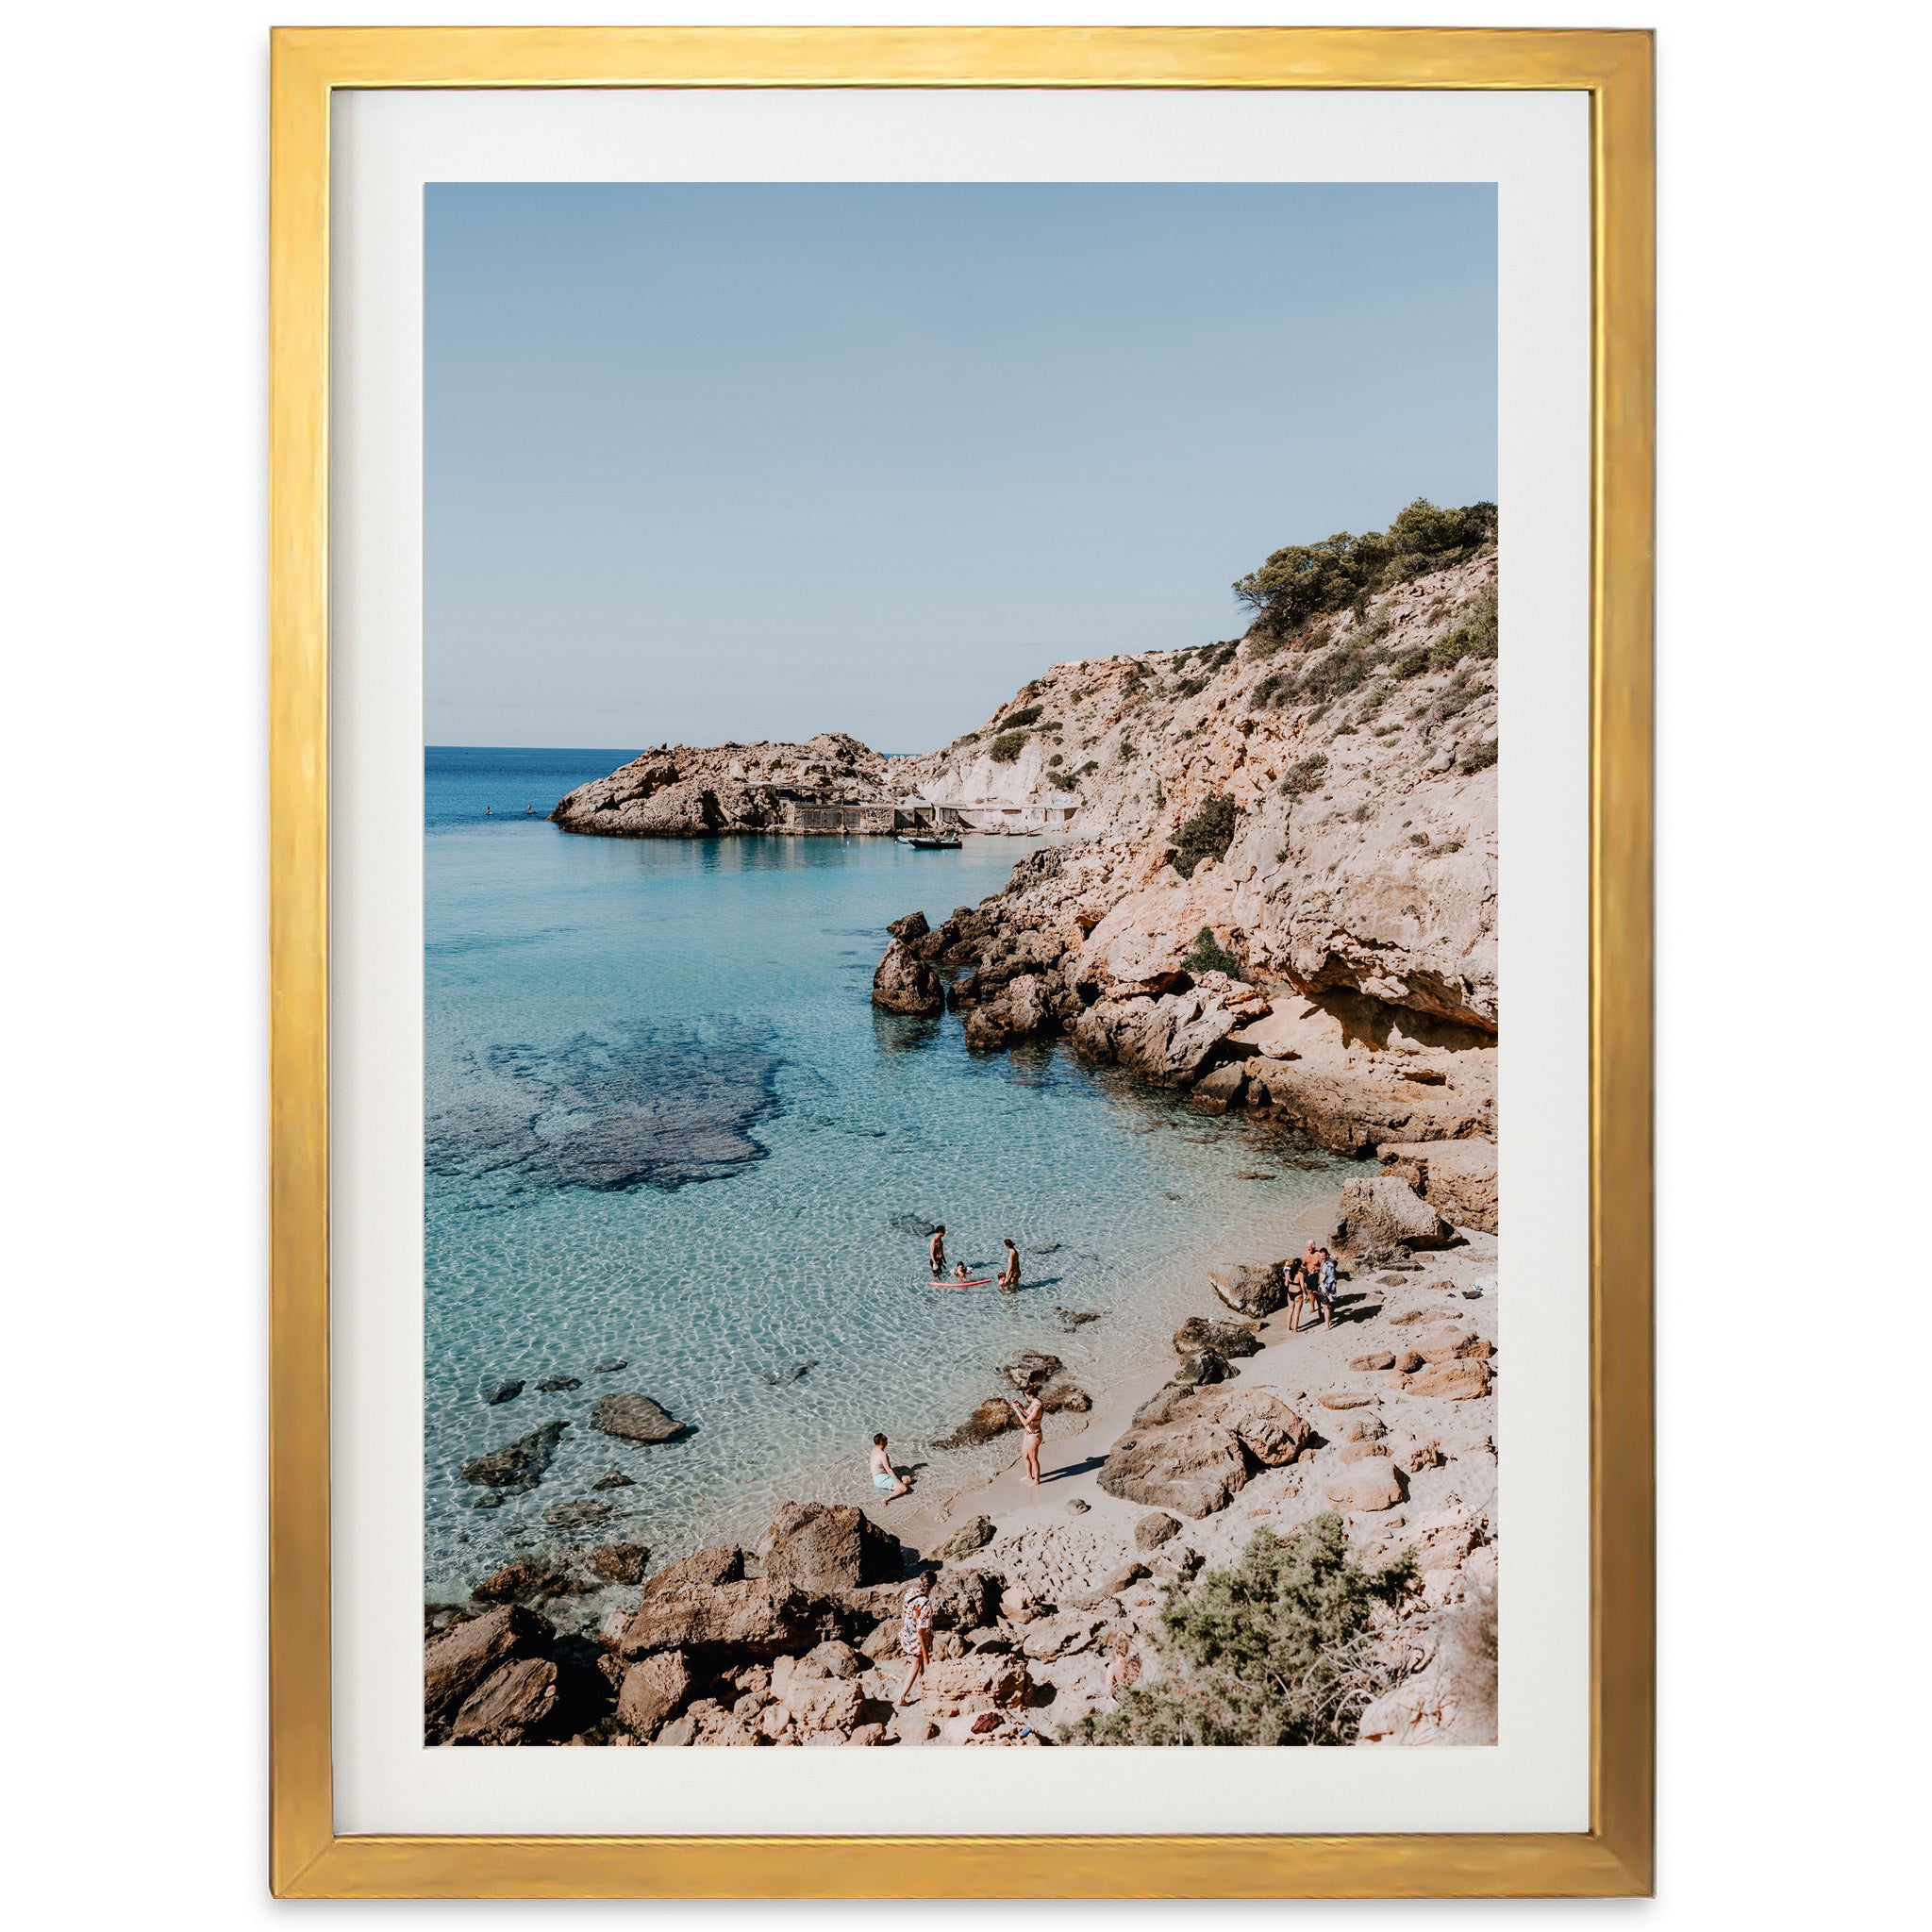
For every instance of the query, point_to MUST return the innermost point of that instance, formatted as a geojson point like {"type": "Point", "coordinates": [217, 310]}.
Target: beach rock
{"type": "Point", "coordinates": [1165, 1040]}
{"type": "Point", "coordinates": [1404, 1317]}
{"type": "Point", "coordinates": [1361, 1429]}
{"type": "Point", "coordinates": [968, 1537]}
{"type": "Point", "coordinates": [613, 1479]}
{"type": "Point", "coordinates": [828, 1546]}
{"type": "Point", "coordinates": [1264, 1425]}
{"type": "Point", "coordinates": [1448, 1345]}
{"type": "Point", "coordinates": [1064, 1398]}
{"type": "Point", "coordinates": [1154, 1530]}
{"type": "Point", "coordinates": [512, 1706]}
{"type": "Point", "coordinates": [1379, 1360]}
{"type": "Point", "coordinates": [518, 1465]}
{"type": "Point", "coordinates": [1196, 1468]}
{"type": "Point", "coordinates": [1078, 1506]}
{"type": "Point", "coordinates": [962, 1600]}
{"type": "Point", "coordinates": [984, 1681]}
{"type": "Point", "coordinates": [1250, 1289]}
{"type": "Point", "coordinates": [567, 1515]}
{"type": "Point", "coordinates": [620, 1562]}
{"type": "Point", "coordinates": [1171, 1402]}
{"type": "Point", "coordinates": [992, 1418]}
{"type": "Point", "coordinates": [1357, 1452]}
{"type": "Point", "coordinates": [1031, 1369]}
{"type": "Point", "coordinates": [502, 1391]}
{"type": "Point", "coordinates": [1071, 1319]}
{"type": "Point", "coordinates": [720, 1563]}
{"type": "Point", "coordinates": [1451, 1381]}
{"type": "Point", "coordinates": [1413, 1453]}
{"type": "Point", "coordinates": [557, 1385]}
{"type": "Point", "coordinates": [492, 1500]}
{"type": "Point", "coordinates": [1407, 1362]}
{"type": "Point", "coordinates": [653, 1690]}
{"type": "Point", "coordinates": [524, 1581]}
{"type": "Point", "coordinates": [903, 983]}
{"type": "Point", "coordinates": [1456, 1177]}
{"type": "Point", "coordinates": [1065, 1635]}
{"type": "Point", "coordinates": [1017, 1012]}
{"type": "Point", "coordinates": [609, 1365]}
{"type": "Point", "coordinates": [749, 1618]}
{"type": "Point", "coordinates": [1220, 1088]}
{"type": "Point", "coordinates": [909, 929]}
{"type": "Point", "coordinates": [636, 1419]}
{"type": "Point", "coordinates": [1370, 1485]}
{"type": "Point", "coordinates": [816, 1697]}
{"type": "Point", "coordinates": [1228, 1339]}
{"type": "Point", "coordinates": [1202, 1368]}
{"type": "Point", "coordinates": [1379, 1211]}
{"type": "Point", "coordinates": [455, 1662]}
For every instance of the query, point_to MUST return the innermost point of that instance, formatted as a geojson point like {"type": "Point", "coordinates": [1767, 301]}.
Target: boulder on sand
{"type": "Point", "coordinates": [1194, 1467]}
{"type": "Point", "coordinates": [518, 1465]}
{"type": "Point", "coordinates": [1449, 1343]}
{"type": "Point", "coordinates": [636, 1419]}
{"type": "Point", "coordinates": [1204, 1367]}
{"type": "Point", "coordinates": [1229, 1339]}
{"type": "Point", "coordinates": [512, 1706]}
{"type": "Point", "coordinates": [903, 983]}
{"type": "Point", "coordinates": [1382, 1211]}
{"type": "Point", "coordinates": [1452, 1381]}
{"type": "Point", "coordinates": [1152, 1531]}
{"type": "Point", "coordinates": [1264, 1425]}
{"type": "Point", "coordinates": [1249, 1288]}
{"type": "Point", "coordinates": [756, 1618]}
{"type": "Point", "coordinates": [992, 1418]}
{"type": "Point", "coordinates": [984, 1681]}
{"type": "Point", "coordinates": [968, 1537]}
{"type": "Point", "coordinates": [828, 1546]}
{"type": "Point", "coordinates": [1371, 1484]}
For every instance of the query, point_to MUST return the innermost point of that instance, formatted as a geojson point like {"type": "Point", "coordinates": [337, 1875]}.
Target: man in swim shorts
{"type": "Point", "coordinates": [884, 1478]}
{"type": "Point", "coordinates": [936, 1250]}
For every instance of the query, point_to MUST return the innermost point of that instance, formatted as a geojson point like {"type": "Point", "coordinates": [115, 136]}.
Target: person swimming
{"type": "Point", "coordinates": [959, 1278]}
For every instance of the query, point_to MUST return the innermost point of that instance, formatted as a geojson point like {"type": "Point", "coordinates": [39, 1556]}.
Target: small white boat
{"type": "Point", "coordinates": [932, 841]}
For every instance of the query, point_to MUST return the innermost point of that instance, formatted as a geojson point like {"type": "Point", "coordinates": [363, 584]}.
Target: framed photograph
{"type": "Point", "coordinates": [962, 945]}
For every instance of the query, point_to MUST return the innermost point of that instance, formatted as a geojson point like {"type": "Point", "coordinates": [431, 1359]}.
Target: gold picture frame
{"type": "Point", "coordinates": [307, 1859]}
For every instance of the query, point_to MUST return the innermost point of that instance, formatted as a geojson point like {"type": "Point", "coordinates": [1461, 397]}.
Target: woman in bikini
{"type": "Point", "coordinates": [1010, 1268]}
{"type": "Point", "coordinates": [1028, 1419]}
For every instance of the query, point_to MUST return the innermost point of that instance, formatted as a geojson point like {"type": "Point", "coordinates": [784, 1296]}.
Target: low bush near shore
{"type": "Point", "coordinates": [1279, 1649]}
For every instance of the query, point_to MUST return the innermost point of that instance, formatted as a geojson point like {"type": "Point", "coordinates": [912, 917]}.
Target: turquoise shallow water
{"type": "Point", "coordinates": [666, 1125]}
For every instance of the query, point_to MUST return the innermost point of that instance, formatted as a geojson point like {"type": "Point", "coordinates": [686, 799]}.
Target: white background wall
{"type": "Point", "coordinates": [1793, 636]}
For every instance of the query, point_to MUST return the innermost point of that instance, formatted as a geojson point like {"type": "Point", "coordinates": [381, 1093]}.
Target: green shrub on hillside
{"type": "Point", "coordinates": [1475, 637]}
{"type": "Point", "coordinates": [1210, 956]}
{"type": "Point", "coordinates": [1013, 721]}
{"type": "Point", "coordinates": [1304, 581]}
{"type": "Point", "coordinates": [1206, 835]}
{"type": "Point", "coordinates": [1478, 758]}
{"type": "Point", "coordinates": [1304, 774]}
{"type": "Point", "coordinates": [1279, 1649]}
{"type": "Point", "coordinates": [1006, 747]}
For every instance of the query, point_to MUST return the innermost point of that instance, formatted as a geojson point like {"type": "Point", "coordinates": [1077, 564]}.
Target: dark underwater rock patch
{"type": "Point", "coordinates": [636, 1109]}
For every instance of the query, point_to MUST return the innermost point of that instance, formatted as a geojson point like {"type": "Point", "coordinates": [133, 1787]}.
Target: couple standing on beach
{"type": "Point", "coordinates": [1008, 1276]}
{"type": "Point", "coordinates": [1309, 1279]}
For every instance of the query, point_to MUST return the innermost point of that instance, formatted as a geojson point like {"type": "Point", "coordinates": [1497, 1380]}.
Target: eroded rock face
{"type": "Point", "coordinates": [968, 1537]}
{"type": "Point", "coordinates": [462, 1656]}
{"type": "Point", "coordinates": [1382, 1212]}
{"type": "Point", "coordinates": [903, 983]}
{"type": "Point", "coordinates": [514, 1705]}
{"type": "Point", "coordinates": [1254, 1288]}
{"type": "Point", "coordinates": [653, 1690]}
{"type": "Point", "coordinates": [1451, 1381]}
{"type": "Point", "coordinates": [755, 1618]}
{"type": "Point", "coordinates": [1456, 1177]}
{"type": "Point", "coordinates": [1227, 1339]}
{"type": "Point", "coordinates": [1370, 1484]}
{"type": "Point", "coordinates": [981, 1682]}
{"type": "Point", "coordinates": [828, 1546]}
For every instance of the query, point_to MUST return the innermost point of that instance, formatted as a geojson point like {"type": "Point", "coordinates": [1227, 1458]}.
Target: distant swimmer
{"type": "Point", "coordinates": [1010, 1268]}
{"type": "Point", "coordinates": [959, 1278]}
{"type": "Point", "coordinates": [936, 1248]}
{"type": "Point", "coordinates": [486, 811]}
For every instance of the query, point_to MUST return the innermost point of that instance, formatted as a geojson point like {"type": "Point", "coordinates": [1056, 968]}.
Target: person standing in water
{"type": "Point", "coordinates": [1010, 1268]}
{"type": "Point", "coordinates": [936, 1250]}
{"type": "Point", "coordinates": [915, 1632]}
{"type": "Point", "coordinates": [884, 1475]}
{"type": "Point", "coordinates": [1028, 1419]}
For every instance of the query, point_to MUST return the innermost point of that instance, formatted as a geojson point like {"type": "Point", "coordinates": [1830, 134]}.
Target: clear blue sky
{"type": "Point", "coordinates": [721, 461]}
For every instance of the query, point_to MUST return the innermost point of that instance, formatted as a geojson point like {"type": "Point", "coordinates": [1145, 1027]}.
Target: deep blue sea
{"type": "Point", "coordinates": [665, 1125]}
